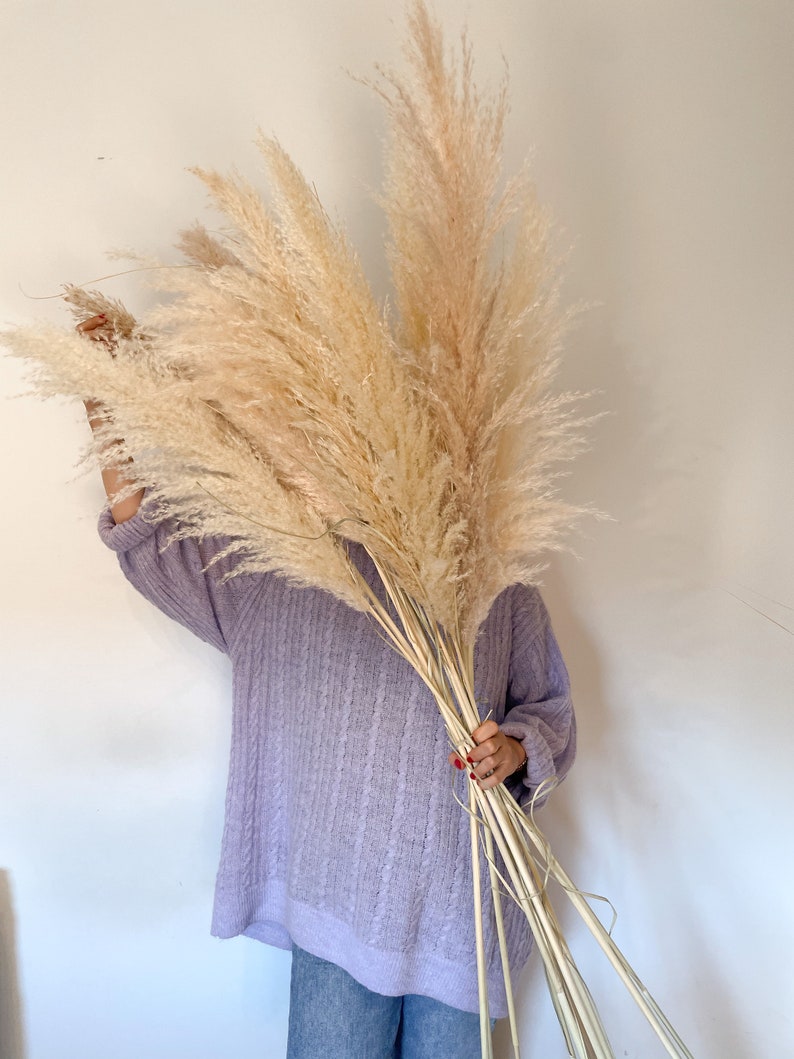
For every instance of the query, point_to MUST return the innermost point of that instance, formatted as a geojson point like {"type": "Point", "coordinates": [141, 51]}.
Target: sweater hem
{"type": "Point", "coordinates": [280, 921]}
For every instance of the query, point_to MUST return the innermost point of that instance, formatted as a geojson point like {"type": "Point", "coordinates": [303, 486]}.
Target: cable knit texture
{"type": "Point", "coordinates": [341, 830]}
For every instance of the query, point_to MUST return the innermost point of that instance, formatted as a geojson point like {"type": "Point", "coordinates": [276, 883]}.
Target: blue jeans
{"type": "Point", "coordinates": [332, 1016]}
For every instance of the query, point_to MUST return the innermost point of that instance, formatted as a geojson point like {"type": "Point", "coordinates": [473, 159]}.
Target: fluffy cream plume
{"type": "Point", "coordinates": [272, 392]}
{"type": "Point", "coordinates": [197, 467]}
{"type": "Point", "coordinates": [481, 323]}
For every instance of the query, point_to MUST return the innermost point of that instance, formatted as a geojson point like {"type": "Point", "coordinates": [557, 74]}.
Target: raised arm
{"type": "Point", "coordinates": [113, 480]}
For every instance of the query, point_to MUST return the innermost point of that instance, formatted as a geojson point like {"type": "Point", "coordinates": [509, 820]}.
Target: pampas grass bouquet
{"type": "Point", "coordinates": [271, 399]}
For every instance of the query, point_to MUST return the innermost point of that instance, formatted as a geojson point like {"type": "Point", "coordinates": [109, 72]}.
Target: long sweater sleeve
{"type": "Point", "coordinates": [175, 576]}
{"type": "Point", "coordinates": [538, 708]}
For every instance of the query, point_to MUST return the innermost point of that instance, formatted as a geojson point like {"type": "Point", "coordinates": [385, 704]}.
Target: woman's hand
{"type": "Point", "coordinates": [91, 327]}
{"type": "Point", "coordinates": [495, 757]}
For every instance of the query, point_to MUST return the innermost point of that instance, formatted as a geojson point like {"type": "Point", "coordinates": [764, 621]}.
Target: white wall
{"type": "Point", "coordinates": [665, 144]}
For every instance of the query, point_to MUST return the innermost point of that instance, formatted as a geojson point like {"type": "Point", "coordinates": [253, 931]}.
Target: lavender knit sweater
{"type": "Point", "coordinates": [341, 830]}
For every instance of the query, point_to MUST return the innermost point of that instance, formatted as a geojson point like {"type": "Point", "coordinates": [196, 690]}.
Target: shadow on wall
{"type": "Point", "coordinates": [12, 1043]}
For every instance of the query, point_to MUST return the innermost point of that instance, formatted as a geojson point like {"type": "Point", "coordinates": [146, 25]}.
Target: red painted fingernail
{"type": "Point", "coordinates": [458, 763]}
{"type": "Point", "coordinates": [473, 776]}
{"type": "Point", "coordinates": [102, 316]}
{"type": "Point", "coordinates": [470, 760]}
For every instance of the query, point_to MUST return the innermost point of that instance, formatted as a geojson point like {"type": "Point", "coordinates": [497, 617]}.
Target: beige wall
{"type": "Point", "coordinates": [665, 143]}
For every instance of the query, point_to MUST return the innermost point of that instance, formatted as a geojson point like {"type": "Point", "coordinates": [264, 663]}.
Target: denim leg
{"type": "Point", "coordinates": [432, 1030]}
{"type": "Point", "coordinates": [332, 1016]}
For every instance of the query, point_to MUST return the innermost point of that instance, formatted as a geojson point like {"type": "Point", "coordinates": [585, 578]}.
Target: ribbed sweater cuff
{"type": "Point", "coordinates": [125, 535]}
{"type": "Point", "coordinates": [539, 765]}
